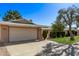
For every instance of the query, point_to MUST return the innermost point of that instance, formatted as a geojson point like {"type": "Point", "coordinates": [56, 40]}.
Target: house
{"type": "Point", "coordinates": [10, 32]}
{"type": "Point", "coordinates": [74, 30]}
{"type": "Point", "coordinates": [13, 31]}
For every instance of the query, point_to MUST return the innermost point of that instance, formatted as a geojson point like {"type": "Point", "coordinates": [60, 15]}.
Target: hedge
{"type": "Point", "coordinates": [61, 34]}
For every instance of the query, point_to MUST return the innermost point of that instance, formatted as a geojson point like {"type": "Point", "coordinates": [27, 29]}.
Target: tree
{"type": "Point", "coordinates": [57, 27]}
{"type": "Point", "coordinates": [11, 15]}
{"type": "Point", "coordinates": [68, 17]}
{"type": "Point", "coordinates": [77, 19]}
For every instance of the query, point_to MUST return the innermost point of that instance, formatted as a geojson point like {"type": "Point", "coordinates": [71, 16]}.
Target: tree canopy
{"type": "Point", "coordinates": [11, 15]}
{"type": "Point", "coordinates": [68, 16]}
{"type": "Point", "coordinates": [57, 27]}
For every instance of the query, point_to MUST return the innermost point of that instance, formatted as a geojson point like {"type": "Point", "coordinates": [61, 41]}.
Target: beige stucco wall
{"type": "Point", "coordinates": [0, 33]}
{"type": "Point", "coordinates": [3, 33]}
{"type": "Point", "coordinates": [39, 33]}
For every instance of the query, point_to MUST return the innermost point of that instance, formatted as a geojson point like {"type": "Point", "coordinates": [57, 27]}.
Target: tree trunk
{"type": "Point", "coordinates": [71, 34]}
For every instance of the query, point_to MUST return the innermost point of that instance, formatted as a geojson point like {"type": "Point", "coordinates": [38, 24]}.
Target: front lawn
{"type": "Point", "coordinates": [65, 40]}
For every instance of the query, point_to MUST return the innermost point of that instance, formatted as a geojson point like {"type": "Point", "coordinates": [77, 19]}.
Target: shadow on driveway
{"type": "Point", "coordinates": [19, 42]}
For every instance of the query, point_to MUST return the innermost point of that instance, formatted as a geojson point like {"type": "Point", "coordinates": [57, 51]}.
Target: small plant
{"type": "Point", "coordinates": [45, 34]}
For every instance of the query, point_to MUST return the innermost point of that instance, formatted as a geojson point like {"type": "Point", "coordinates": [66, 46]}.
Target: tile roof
{"type": "Point", "coordinates": [17, 24]}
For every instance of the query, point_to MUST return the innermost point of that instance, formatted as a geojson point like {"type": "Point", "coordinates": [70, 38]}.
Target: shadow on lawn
{"type": "Point", "coordinates": [59, 50]}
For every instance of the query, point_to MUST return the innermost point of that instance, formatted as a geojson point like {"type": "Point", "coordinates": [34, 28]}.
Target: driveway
{"type": "Point", "coordinates": [3, 50]}
{"type": "Point", "coordinates": [26, 49]}
{"type": "Point", "coordinates": [32, 48]}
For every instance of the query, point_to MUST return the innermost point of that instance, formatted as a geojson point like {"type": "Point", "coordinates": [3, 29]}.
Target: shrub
{"type": "Point", "coordinates": [44, 34]}
{"type": "Point", "coordinates": [53, 34]}
{"type": "Point", "coordinates": [63, 34]}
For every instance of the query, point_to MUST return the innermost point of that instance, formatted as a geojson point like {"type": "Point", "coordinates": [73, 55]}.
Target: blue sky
{"type": "Point", "coordinates": [40, 13]}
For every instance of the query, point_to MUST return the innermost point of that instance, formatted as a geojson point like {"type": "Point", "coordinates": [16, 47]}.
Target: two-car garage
{"type": "Point", "coordinates": [11, 32]}
{"type": "Point", "coordinates": [19, 34]}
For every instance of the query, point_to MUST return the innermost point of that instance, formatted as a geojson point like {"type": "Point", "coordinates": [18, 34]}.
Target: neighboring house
{"type": "Point", "coordinates": [74, 30]}
{"type": "Point", "coordinates": [12, 31]}
{"type": "Point", "coordinates": [77, 31]}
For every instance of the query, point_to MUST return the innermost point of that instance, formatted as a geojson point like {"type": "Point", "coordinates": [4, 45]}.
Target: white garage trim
{"type": "Point", "coordinates": [19, 34]}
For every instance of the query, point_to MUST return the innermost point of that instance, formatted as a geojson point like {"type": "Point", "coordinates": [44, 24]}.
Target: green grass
{"type": "Point", "coordinates": [66, 40]}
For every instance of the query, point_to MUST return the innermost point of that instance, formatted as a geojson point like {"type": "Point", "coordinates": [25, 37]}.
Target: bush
{"type": "Point", "coordinates": [57, 34]}
{"type": "Point", "coordinates": [67, 34]}
{"type": "Point", "coordinates": [53, 34]}
{"type": "Point", "coordinates": [74, 32]}
{"type": "Point", "coordinates": [63, 34]}
{"type": "Point", "coordinates": [44, 34]}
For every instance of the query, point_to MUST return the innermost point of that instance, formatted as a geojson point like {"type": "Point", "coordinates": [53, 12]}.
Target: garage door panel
{"type": "Point", "coordinates": [18, 34]}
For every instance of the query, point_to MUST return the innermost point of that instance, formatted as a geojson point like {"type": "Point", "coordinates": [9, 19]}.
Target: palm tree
{"type": "Point", "coordinates": [68, 17]}
{"type": "Point", "coordinates": [11, 15]}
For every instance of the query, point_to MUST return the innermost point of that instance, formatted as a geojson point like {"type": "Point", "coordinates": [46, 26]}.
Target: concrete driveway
{"type": "Point", "coordinates": [26, 49]}
{"type": "Point", "coordinates": [3, 50]}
